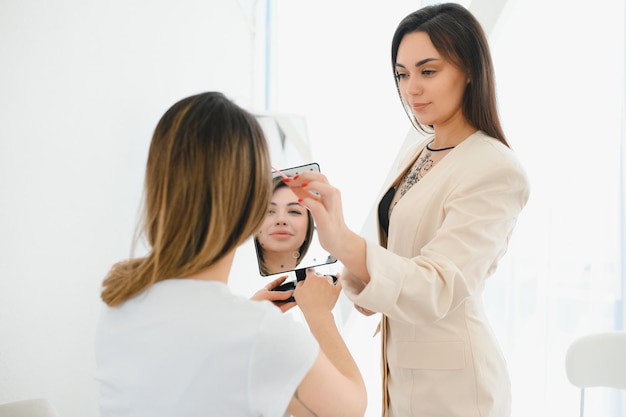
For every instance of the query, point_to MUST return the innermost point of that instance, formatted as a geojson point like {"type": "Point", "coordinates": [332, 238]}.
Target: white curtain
{"type": "Point", "coordinates": [560, 72]}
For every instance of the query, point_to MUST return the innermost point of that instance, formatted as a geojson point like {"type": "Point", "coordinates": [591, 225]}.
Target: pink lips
{"type": "Point", "coordinates": [419, 106]}
{"type": "Point", "coordinates": [281, 234]}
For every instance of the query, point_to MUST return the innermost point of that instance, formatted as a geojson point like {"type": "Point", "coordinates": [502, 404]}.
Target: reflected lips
{"type": "Point", "coordinates": [281, 235]}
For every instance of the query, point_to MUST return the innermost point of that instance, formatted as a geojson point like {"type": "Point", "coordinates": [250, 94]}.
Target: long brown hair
{"type": "Point", "coordinates": [458, 37]}
{"type": "Point", "coordinates": [207, 188]}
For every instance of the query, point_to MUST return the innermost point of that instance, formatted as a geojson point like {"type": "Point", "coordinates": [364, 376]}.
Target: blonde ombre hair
{"type": "Point", "coordinates": [207, 187]}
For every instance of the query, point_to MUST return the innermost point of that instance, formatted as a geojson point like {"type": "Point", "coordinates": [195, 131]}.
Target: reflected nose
{"type": "Point", "coordinates": [280, 219]}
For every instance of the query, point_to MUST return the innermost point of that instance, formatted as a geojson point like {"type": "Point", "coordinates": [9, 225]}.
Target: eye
{"type": "Point", "coordinates": [400, 75]}
{"type": "Point", "coordinates": [270, 212]}
{"type": "Point", "coordinates": [428, 72]}
{"type": "Point", "coordinates": [295, 212]}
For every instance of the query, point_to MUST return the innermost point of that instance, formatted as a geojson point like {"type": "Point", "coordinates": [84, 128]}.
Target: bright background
{"type": "Point", "coordinates": [83, 83]}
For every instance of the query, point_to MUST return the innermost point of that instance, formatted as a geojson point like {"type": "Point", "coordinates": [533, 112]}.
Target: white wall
{"type": "Point", "coordinates": [82, 85]}
{"type": "Point", "coordinates": [332, 62]}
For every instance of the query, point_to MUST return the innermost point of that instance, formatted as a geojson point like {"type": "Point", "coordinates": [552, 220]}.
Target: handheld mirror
{"type": "Point", "coordinates": [288, 239]}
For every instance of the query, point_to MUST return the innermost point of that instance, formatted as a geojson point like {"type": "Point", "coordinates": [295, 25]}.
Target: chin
{"type": "Point", "coordinates": [425, 121]}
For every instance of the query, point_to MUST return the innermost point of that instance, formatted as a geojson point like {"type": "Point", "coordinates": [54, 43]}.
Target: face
{"type": "Point", "coordinates": [431, 86]}
{"type": "Point", "coordinates": [286, 223]}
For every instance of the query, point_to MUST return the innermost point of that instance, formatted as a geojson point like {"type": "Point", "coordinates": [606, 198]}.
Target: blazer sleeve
{"type": "Point", "coordinates": [479, 214]}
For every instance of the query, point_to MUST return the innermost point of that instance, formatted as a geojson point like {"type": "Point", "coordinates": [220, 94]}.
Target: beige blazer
{"type": "Point", "coordinates": [446, 236]}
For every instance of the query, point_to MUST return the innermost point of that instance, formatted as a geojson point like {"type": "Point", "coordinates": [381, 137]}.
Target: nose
{"type": "Point", "coordinates": [280, 219]}
{"type": "Point", "coordinates": [413, 86]}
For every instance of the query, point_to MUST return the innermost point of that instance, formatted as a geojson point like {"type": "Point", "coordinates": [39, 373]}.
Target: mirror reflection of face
{"type": "Point", "coordinates": [286, 224]}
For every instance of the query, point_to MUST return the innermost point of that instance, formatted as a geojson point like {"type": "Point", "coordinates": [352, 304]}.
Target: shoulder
{"type": "Point", "coordinates": [483, 161]}
{"type": "Point", "coordinates": [481, 153]}
{"type": "Point", "coordinates": [206, 312]}
{"type": "Point", "coordinates": [191, 304]}
{"type": "Point", "coordinates": [482, 146]}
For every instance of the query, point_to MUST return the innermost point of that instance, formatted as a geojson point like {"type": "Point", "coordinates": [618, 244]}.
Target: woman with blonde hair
{"type": "Point", "coordinates": [172, 339]}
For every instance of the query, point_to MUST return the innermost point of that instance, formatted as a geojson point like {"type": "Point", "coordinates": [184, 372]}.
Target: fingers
{"type": "Point", "coordinates": [333, 279]}
{"type": "Point", "coordinates": [316, 292]}
{"type": "Point", "coordinates": [324, 202]}
{"type": "Point", "coordinates": [275, 283]}
{"type": "Point", "coordinates": [278, 295]}
{"type": "Point", "coordinates": [266, 292]}
{"type": "Point", "coordinates": [307, 176]}
{"type": "Point", "coordinates": [310, 186]}
{"type": "Point", "coordinates": [278, 298]}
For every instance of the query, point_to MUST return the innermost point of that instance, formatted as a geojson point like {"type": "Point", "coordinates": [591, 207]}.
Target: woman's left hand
{"type": "Point", "coordinates": [276, 297]}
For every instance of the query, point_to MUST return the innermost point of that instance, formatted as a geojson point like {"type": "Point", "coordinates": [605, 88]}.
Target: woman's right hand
{"type": "Point", "coordinates": [316, 293]}
{"type": "Point", "coordinates": [324, 201]}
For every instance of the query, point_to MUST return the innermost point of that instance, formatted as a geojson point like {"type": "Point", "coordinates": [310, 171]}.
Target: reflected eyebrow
{"type": "Point", "coordinates": [419, 63]}
{"type": "Point", "coordinates": [293, 203]}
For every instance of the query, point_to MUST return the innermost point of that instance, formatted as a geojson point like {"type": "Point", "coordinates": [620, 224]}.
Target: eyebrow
{"type": "Point", "coordinates": [293, 203]}
{"type": "Point", "coordinates": [419, 63]}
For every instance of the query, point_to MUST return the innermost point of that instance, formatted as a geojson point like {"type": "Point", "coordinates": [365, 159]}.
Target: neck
{"type": "Point", "coordinates": [279, 261]}
{"type": "Point", "coordinates": [219, 271]}
{"type": "Point", "coordinates": [447, 136]}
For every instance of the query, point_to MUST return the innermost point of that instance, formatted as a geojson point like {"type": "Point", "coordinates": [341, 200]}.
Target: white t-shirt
{"type": "Point", "coordinates": [191, 348]}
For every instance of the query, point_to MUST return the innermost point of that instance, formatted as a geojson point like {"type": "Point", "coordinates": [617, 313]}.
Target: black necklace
{"type": "Point", "coordinates": [437, 150]}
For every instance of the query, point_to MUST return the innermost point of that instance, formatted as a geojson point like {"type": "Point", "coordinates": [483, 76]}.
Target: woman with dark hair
{"type": "Point", "coordinates": [444, 222]}
{"type": "Point", "coordinates": [286, 233]}
{"type": "Point", "coordinates": [172, 339]}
